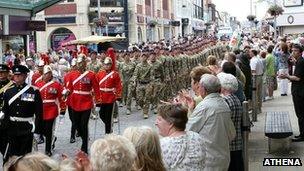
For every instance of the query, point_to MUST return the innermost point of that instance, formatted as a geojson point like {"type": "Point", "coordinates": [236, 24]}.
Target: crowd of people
{"type": "Point", "coordinates": [198, 84]}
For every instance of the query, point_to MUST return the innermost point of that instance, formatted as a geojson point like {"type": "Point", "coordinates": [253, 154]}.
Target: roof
{"type": "Point", "coordinates": [34, 6]}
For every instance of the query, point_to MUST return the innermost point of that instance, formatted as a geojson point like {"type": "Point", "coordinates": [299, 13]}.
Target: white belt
{"type": "Point", "coordinates": [107, 89]}
{"type": "Point", "coordinates": [49, 101]}
{"type": "Point", "coordinates": [30, 120]}
{"type": "Point", "coordinates": [82, 92]}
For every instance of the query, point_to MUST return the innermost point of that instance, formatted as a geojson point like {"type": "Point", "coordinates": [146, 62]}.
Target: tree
{"type": "Point", "coordinates": [275, 10]}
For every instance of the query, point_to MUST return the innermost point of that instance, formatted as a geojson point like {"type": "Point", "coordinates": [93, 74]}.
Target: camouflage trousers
{"type": "Point", "coordinates": [125, 89]}
{"type": "Point", "coordinates": [167, 90]}
{"type": "Point", "coordinates": [157, 92]}
{"type": "Point", "coordinates": [131, 87]}
{"type": "Point", "coordinates": [143, 95]}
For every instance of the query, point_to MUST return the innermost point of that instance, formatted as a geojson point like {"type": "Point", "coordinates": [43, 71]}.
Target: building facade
{"type": "Point", "coordinates": [292, 20]}
{"type": "Point", "coordinates": [17, 24]}
{"type": "Point", "coordinates": [138, 20]}
{"type": "Point", "coordinates": [65, 21]}
{"type": "Point", "coordinates": [150, 20]}
{"type": "Point", "coordinates": [190, 13]}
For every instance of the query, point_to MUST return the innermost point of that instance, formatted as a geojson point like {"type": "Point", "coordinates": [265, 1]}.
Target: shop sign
{"type": "Point", "coordinates": [59, 39]}
{"type": "Point", "coordinates": [18, 25]}
{"type": "Point", "coordinates": [36, 25]}
{"type": "Point", "coordinates": [114, 17]}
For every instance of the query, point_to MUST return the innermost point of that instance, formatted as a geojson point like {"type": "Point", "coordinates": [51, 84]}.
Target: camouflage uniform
{"type": "Point", "coordinates": [142, 77]}
{"type": "Point", "coordinates": [156, 84]}
{"type": "Point", "coordinates": [127, 70]}
{"type": "Point", "coordinates": [94, 66]}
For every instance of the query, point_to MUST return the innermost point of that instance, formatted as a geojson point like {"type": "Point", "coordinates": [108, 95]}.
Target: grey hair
{"type": "Point", "coordinates": [113, 153]}
{"type": "Point", "coordinates": [210, 83]}
{"type": "Point", "coordinates": [228, 82]}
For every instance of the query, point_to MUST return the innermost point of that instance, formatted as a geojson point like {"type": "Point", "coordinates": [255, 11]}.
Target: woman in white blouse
{"type": "Point", "coordinates": [182, 150]}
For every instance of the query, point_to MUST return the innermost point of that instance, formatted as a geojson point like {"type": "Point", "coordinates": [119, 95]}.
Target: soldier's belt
{"type": "Point", "coordinates": [19, 119]}
{"type": "Point", "coordinates": [49, 101]}
{"type": "Point", "coordinates": [82, 92]}
{"type": "Point", "coordinates": [30, 120]}
{"type": "Point", "coordinates": [107, 89]}
{"type": "Point", "coordinates": [143, 82]}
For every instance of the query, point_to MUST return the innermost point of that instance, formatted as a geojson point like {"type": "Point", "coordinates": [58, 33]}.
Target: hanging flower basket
{"type": "Point", "coordinates": [152, 23]}
{"type": "Point", "coordinates": [251, 17]}
{"type": "Point", "coordinates": [275, 10]}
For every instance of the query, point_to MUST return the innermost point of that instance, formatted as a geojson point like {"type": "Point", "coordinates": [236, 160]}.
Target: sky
{"type": "Point", "coordinates": [241, 8]}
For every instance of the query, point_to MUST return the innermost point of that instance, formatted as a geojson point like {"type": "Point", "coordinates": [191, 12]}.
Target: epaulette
{"type": "Point", "coordinates": [12, 86]}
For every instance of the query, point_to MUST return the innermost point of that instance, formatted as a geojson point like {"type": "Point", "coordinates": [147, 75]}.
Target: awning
{"type": "Point", "coordinates": [94, 39]}
{"type": "Point", "coordinates": [34, 6]}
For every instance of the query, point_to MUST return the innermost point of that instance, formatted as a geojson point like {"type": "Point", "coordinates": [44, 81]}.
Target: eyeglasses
{"type": "Point", "coordinates": [14, 163]}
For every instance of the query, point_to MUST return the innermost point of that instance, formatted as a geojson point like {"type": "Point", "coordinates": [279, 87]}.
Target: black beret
{"type": "Point", "coordinates": [4, 68]}
{"type": "Point", "coordinates": [20, 69]}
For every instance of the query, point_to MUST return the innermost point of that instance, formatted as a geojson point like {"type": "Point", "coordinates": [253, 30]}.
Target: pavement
{"type": "Point", "coordinates": [258, 142]}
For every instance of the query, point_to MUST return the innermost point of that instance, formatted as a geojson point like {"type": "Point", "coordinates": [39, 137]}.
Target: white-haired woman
{"type": "Point", "coordinates": [31, 161]}
{"type": "Point", "coordinates": [229, 85]}
{"type": "Point", "coordinates": [112, 153]}
{"type": "Point", "coordinates": [147, 145]}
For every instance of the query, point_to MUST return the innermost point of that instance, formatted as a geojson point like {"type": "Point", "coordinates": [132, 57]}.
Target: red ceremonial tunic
{"type": "Point", "coordinates": [81, 97]}
{"type": "Point", "coordinates": [51, 95]}
{"type": "Point", "coordinates": [36, 78]}
{"type": "Point", "coordinates": [65, 84]}
{"type": "Point", "coordinates": [109, 85]}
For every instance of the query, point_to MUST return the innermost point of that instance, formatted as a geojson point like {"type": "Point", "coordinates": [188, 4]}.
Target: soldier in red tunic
{"type": "Point", "coordinates": [66, 83]}
{"type": "Point", "coordinates": [110, 90]}
{"type": "Point", "coordinates": [81, 84]}
{"type": "Point", "coordinates": [51, 94]}
{"type": "Point", "coordinates": [37, 76]}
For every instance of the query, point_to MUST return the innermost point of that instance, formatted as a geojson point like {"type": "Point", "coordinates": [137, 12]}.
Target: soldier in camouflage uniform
{"type": "Point", "coordinates": [157, 80]}
{"type": "Point", "coordinates": [142, 77]}
{"type": "Point", "coordinates": [127, 70]}
{"type": "Point", "coordinates": [95, 65]}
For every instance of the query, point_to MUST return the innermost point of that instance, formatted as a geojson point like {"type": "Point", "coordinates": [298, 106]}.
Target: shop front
{"type": "Point", "coordinates": [16, 26]}
{"type": "Point", "coordinates": [14, 33]}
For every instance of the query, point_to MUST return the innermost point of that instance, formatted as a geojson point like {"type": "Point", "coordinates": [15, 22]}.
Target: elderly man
{"type": "Point", "coordinates": [230, 85]}
{"type": "Point", "coordinates": [212, 120]}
